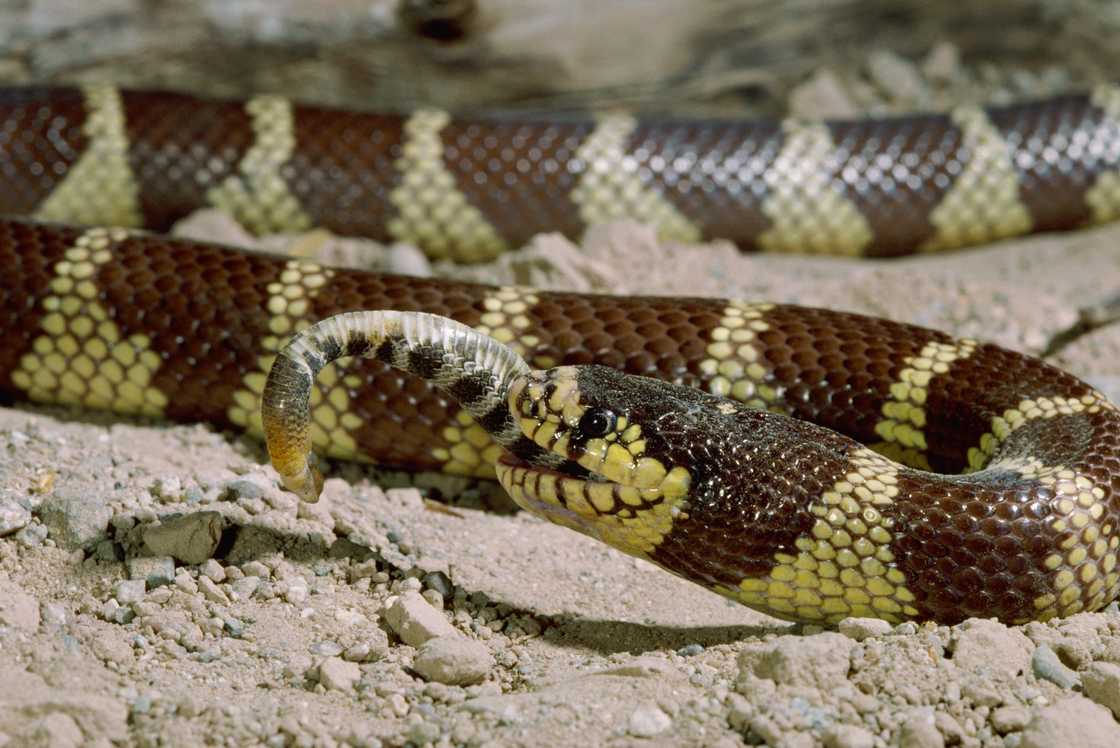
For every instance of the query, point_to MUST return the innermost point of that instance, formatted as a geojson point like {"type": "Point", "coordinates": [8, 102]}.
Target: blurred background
{"type": "Point", "coordinates": [803, 57]}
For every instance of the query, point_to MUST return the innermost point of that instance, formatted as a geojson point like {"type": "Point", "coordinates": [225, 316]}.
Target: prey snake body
{"type": "Point", "coordinates": [851, 507]}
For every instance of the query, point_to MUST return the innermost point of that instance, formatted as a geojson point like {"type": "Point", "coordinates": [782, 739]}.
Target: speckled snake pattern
{"type": "Point", "coordinates": [106, 316]}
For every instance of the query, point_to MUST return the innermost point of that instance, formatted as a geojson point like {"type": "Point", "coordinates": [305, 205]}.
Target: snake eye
{"type": "Point", "coordinates": [597, 422]}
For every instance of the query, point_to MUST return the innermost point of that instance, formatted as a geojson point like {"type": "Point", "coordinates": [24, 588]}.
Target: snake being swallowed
{"type": "Point", "coordinates": [782, 514]}
{"type": "Point", "coordinates": [968, 480]}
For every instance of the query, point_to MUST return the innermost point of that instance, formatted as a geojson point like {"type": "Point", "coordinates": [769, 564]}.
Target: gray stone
{"type": "Point", "coordinates": [19, 610]}
{"type": "Point", "coordinates": [256, 569]}
{"type": "Point", "coordinates": [848, 736]}
{"type": "Point", "coordinates": [943, 62]}
{"type": "Point", "coordinates": [1047, 666]}
{"type": "Point", "coordinates": [213, 570]}
{"type": "Point", "coordinates": [112, 611]}
{"type": "Point", "coordinates": [821, 660]}
{"type": "Point", "coordinates": [54, 614]}
{"type": "Point", "coordinates": [919, 730]}
{"type": "Point", "coordinates": [415, 621]}
{"type": "Point", "coordinates": [899, 78]}
{"type": "Point", "coordinates": [1072, 721]}
{"type": "Point", "coordinates": [191, 538]}
{"type": "Point", "coordinates": [648, 720]}
{"type": "Point", "coordinates": [155, 570]}
{"type": "Point", "coordinates": [453, 660]}
{"type": "Point", "coordinates": [1010, 718]}
{"type": "Point", "coordinates": [296, 591]}
{"type": "Point", "coordinates": [1102, 684]}
{"type": "Point", "coordinates": [168, 488]}
{"type": "Point", "coordinates": [13, 517]}
{"type": "Point", "coordinates": [245, 488]}
{"type": "Point", "coordinates": [212, 591]}
{"type": "Point", "coordinates": [244, 588]}
{"type": "Point", "coordinates": [407, 259]}
{"type": "Point", "coordinates": [863, 628]}
{"type": "Point", "coordinates": [822, 96]}
{"type": "Point", "coordinates": [128, 591]}
{"type": "Point", "coordinates": [75, 521]}
{"type": "Point", "coordinates": [338, 675]}
{"type": "Point", "coordinates": [424, 732]}
{"type": "Point", "coordinates": [982, 644]}
{"type": "Point", "coordinates": [326, 648]}
{"type": "Point", "coordinates": [438, 581]}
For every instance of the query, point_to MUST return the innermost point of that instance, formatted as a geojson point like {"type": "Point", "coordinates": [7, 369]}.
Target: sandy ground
{"type": "Point", "coordinates": [157, 588]}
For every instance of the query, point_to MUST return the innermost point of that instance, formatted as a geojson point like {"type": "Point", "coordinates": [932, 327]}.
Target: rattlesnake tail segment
{"type": "Point", "coordinates": [470, 367]}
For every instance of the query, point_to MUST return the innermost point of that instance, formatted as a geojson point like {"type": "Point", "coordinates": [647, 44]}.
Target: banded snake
{"type": "Point", "coordinates": [851, 507]}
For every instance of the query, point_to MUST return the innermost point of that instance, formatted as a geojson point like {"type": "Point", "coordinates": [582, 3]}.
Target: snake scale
{"type": "Point", "coordinates": [920, 476]}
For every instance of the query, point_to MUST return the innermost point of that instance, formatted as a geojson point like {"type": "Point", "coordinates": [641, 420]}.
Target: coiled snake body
{"type": "Point", "coordinates": [854, 506]}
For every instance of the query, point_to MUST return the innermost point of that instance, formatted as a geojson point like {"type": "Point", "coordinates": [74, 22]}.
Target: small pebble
{"type": "Point", "coordinates": [212, 591]}
{"type": "Point", "coordinates": [647, 721]}
{"type": "Point", "coordinates": [326, 648]}
{"type": "Point", "coordinates": [169, 488]}
{"type": "Point", "coordinates": [1047, 666]}
{"type": "Point", "coordinates": [438, 581]}
{"type": "Point", "coordinates": [54, 614]}
{"type": "Point", "coordinates": [19, 610]}
{"type": "Point", "coordinates": [338, 675]}
{"type": "Point", "coordinates": [128, 591]}
{"type": "Point", "coordinates": [156, 571]}
{"type": "Point", "coordinates": [408, 260]}
{"type": "Point", "coordinates": [191, 538]}
{"type": "Point", "coordinates": [213, 570]}
{"type": "Point", "coordinates": [296, 591]}
{"type": "Point", "coordinates": [1010, 719]}
{"type": "Point", "coordinates": [848, 736]}
{"type": "Point", "coordinates": [919, 730]}
{"type": "Point", "coordinates": [244, 488]}
{"type": "Point", "coordinates": [159, 596]}
{"type": "Point", "coordinates": [31, 536]}
{"type": "Point", "coordinates": [244, 587]}
{"type": "Point", "coordinates": [453, 660]}
{"type": "Point", "coordinates": [1102, 685]}
{"type": "Point", "coordinates": [896, 76]}
{"type": "Point", "coordinates": [113, 612]}
{"type": "Point", "coordinates": [424, 733]}
{"type": "Point", "coordinates": [690, 650]}
{"type": "Point", "coordinates": [142, 705]}
{"type": "Point", "coordinates": [1071, 721]}
{"type": "Point", "coordinates": [415, 621]}
{"type": "Point", "coordinates": [13, 517]}
{"type": "Point", "coordinates": [434, 598]}
{"type": "Point", "coordinates": [256, 569]}
{"type": "Point", "coordinates": [863, 628]}
{"type": "Point", "coordinates": [186, 583]}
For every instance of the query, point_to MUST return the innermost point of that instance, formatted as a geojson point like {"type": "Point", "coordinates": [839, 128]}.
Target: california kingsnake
{"type": "Point", "coordinates": [112, 318]}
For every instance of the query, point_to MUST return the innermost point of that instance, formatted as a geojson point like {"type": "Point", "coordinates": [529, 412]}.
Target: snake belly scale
{"type": "Point", "coordinates": [885, 469]}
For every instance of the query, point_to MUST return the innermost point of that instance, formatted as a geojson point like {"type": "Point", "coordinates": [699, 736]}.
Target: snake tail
{"type": "Point", "coordinates": [470, 367]}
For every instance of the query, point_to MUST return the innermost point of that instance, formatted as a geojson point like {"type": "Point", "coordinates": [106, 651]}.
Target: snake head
{"type": "Point", "coordinates": [617, 426]}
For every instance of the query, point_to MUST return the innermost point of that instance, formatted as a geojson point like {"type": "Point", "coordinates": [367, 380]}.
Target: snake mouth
{"type": "Point", "coordinates": [555, 495]}
{"type": "Point", "coordinates": [565, 471]}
